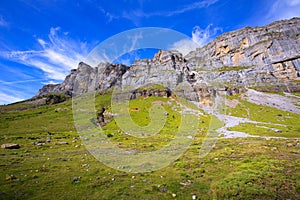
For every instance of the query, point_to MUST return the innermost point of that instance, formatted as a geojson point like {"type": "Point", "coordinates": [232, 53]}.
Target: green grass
{"type": "Point", "coordinates": [296, 93]}
{"type": "Point", "coordinates": [232, 68]}
{"type": "Point", "coordinates": [268, 130]}
{"type": "Point", "coordinates": [245, 168]}
{"type": "Point", "coordinates": [289, 121]}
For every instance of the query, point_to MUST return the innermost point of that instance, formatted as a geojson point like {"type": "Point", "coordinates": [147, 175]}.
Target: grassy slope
{"type": "Point", "coordinates": [250, 168]}
{"type": "Point", "coordinates": [261, 113]}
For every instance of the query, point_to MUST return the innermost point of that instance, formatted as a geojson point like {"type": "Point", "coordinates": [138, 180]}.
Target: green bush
{"type": "Point", "coordinates": [56, 98]}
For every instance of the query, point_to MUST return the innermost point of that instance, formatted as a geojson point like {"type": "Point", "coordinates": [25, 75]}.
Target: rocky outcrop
{"type": "Point", "coordinates": [86, 78]}
{"type": "Point", "coordinates": [274, 48]}
{"type": "Point", "coordinates": [266, 57]}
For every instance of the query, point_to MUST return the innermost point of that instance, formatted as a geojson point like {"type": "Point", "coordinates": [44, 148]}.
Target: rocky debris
{"type": "Point", "coordinates": [274, 100]}
{"type": "Point", "coordinates": [10, 177]}
{"type": "Point", "coordinates": [150, 92]}
{"type": "Point", "coordinates": [186, 183]}
{"type": "Point", "coordinates": [10, 146]}
{"type": "Point", "coordinates": [276, 130]}
{"type": "Point", "coordinates": [60, 109]}
{"type": "Point", "coordinates": [63, 143]}
{"type": "Point", "coordinates": [103, 117]}
{"type": "Point", "coordinates": [76, 179]}
{"type": "Point", "coordinates": [231, 103]}
{"type": "Point", "coordinates": [194, 197]}
{"type": "Point", "coordinates": [289, 144]}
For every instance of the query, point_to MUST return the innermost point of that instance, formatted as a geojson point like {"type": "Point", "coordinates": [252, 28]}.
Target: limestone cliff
{"type": "Point", "coordinates": [263, 57]}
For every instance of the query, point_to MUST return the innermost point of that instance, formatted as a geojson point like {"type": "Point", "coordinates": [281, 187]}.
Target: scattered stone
{"type": "Point", "coordinates": [166, 114]}
{"type": "Point", "coordinates": [113, 179]}
{"type": "Point", "coordinates": [194, 197]}
{"type": "Point", "coordinates": [76, 179]}
{"type": "Point", "coordinates": [164, 189]}
{"type": "Point", "coordinates": [86, 165]}
{"type": "Point", "coordinates": [274, 148]}
{"type": "Point", "coordinates": [60, 109]}
{"type": "Point", "coordinates": [186, 183]}
{"type": "Point", "coordinates": [276, 130]}
{"type": "Point", "coordinates": [63, 143]}
{"type": "Point", "coordinates": [10, 177]}
{"type": "Point", "coordinates": [40, 144]}
{"type": "Point", "coordinates": [133, 177]}
{"type": "Point", "coordinates": [48, 139]}
{"type": "Point", "coordinates": [298, 144]}
{"type": "Point", "coordinates": [190, 137]}
{"type": "Point", "coordinates": [173, 195]}
{"type": "Point", "coordinates": [289, 145]}
{"type": "Point", "coordinates": [10, 146]}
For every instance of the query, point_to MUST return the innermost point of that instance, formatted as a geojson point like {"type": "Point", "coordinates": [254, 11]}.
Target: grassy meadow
{"type": "Point", "coordinates": [52, 163]}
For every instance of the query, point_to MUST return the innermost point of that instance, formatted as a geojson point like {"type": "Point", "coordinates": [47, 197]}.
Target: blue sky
{"type": "Point", "coordinates": [42, 40]}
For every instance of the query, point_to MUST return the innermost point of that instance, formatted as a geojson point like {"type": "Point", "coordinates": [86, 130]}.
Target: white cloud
{"type": "Point", "coordinates": [196, 5]}
{"type": "Point", "coordinates": [283, 9]}
{"type": "Point", "coordinates": [3, 22]}
{"type": "Point", "coordinates": [16, 82]}
{"type": "Point", "coordinates": [135, 15]}
{"type": "Point", "coordinates": [50, 82]}
{"type": "Point", "coordinates": [200, 37]}
{"type": "Point", "coordinates": [185, 46]}
{"type": "Point", "coordinates": [57, 56]}
{"type": "Point", "coordinates": [108, 15]}
{"type": "Point", "coordinates": [6, 99]}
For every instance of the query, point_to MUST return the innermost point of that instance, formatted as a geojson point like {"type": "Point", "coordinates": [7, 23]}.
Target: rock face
{"type": "Point", "coordinates": [263, 57]}
{"type": "Point", "coordinates": [86, 78]}
{"type": "Point", "coordinates": [271, 53]}
{"type": "Point", "coordinates": [10, 146]}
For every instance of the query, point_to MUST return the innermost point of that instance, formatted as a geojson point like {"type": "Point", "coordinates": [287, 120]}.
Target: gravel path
{"type": "Point", "coordinates": [231, 121]}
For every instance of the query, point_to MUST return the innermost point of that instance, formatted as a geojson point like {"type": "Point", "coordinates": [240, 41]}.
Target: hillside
{"type": "Point", "coordinates": [235, 101]}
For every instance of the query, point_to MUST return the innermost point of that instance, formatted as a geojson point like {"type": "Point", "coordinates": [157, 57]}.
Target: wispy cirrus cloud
{"type": "Point", "coordinates": [283, 9]}
{"type": "Point", "coordinates": [6, 98]}
{"type": "Point", "coordinates": [200, 37]}
{"type": "Point", "coordinates": [136, 14]}
{"type": "Point", "coordinates": [3, 22]}
{"type": "Point", "coordinates": [57, 55]}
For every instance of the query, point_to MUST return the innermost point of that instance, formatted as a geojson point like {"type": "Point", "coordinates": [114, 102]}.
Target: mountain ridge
{"type": "Point", "coordinates": [266, 57]}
